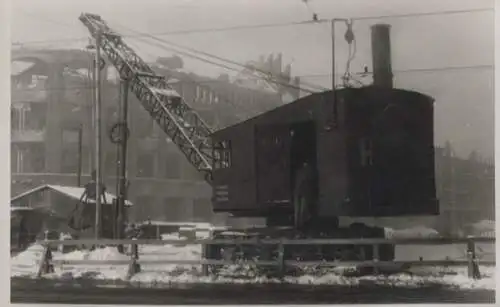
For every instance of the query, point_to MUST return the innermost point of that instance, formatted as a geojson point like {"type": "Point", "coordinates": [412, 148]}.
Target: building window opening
{"type": "Point", "coordinates": [173, 210]}
{"type": "Point", "coordinates": [69, 163]}
{"type": "Point", "coordinates": [197, 94]}
{"type": "Point", "coordinates": [173, 166]}
{"type": "Point", "coordinates": [145, 128]}
{"type": "Point", "coordinates": [145, 165]}
{"type": "Point", "coordinates": [111, 163]}
{"type": "Point", "coordinates": [222, 155]}
{"type": "Point", "coordinates": [37, 158]}
{"type": "Point", "coordinates": [35, 118]}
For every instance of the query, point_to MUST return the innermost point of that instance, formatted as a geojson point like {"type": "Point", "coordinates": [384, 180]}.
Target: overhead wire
{"type": "Point", "coordinates": [174, 49]}
{"type": "Point", "coordinates": [417, 70]}
{"type": "Point", "coordinates": [269, 76]}
{"type": "Point", "coordinates": [183, 32]}
{"type": "Point", "coordinates": [347, 74]}
{"type": "Point", "coordinates": [270, 25]}
{"type": "Point", "coordinates": [218, 64]}
{"type": "Point", "coordinates": [307, 22]}
{"type": "Point", "coordinates": [439, 13]}
{"type": "Point", "coordinates": [190, 80]}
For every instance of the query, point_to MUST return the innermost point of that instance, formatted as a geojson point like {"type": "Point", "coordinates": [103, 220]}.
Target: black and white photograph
{"type": "Point", "coordinates": [223, 152]}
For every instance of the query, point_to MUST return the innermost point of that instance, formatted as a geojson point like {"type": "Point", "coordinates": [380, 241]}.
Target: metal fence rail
{"type": "Point", "coordinates": [361, 241]}
{"type": "Point", "coordinates": [47, 263]}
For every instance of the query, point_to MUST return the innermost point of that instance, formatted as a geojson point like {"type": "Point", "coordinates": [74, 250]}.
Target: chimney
{"type": "Point", "coordinates": [381, 55]}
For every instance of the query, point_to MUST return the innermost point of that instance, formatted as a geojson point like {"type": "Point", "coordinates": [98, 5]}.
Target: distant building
{"type": "Point", "coordinates": [465, 188]}
{"type": "Point", "coordinates": [52, 96]}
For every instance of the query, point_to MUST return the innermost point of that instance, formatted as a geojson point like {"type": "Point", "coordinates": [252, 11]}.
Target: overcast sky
{"type": "Point", "coordinates": [464, 39]}
{"type": "Point", "coordinates": [417, 42]}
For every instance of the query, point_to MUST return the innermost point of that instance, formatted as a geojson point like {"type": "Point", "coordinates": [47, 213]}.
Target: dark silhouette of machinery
{"type": "Point", "coordinates": [353, 152]}
{"type": "Point", "coordinates": [83, 215]}
{"type": "Point", "coordinates": [112, 214]}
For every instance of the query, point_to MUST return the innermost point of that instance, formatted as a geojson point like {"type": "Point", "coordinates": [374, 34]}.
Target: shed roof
{"type": "Point", "coordinates": [72, 192]}
{"type": "Point", "coordinates": [306, 103]}
{"type": "Point", "coordinates": [20, 208]}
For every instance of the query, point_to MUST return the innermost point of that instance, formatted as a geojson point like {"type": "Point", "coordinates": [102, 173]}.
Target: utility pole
{"type": "Point", "coordinates": [333, 58]}
{"type": "Point", "coordinates": [91, 99]}
{"type": "Point", "coordinates": [79, 170]}
{"type": "Point", "coordinates": [122, 157]}
{"type": "Point", "coordinates": [334, 98]}
{"type": "Point", "coordinates": [331, 120]}
{"type": "Point", "coordinates": [97, 78]}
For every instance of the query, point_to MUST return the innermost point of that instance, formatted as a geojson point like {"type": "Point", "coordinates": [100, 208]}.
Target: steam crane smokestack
{"type": "Point", "coordinates": [381, 55]}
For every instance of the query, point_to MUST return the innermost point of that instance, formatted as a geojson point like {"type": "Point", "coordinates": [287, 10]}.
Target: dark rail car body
{"type": "Point", "coordinates": [377, 161]}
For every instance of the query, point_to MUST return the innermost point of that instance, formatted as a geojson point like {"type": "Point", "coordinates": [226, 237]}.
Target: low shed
{"type": "Point", "coordinates": [60, 201]}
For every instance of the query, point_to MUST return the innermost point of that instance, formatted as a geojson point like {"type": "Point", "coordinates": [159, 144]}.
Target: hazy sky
{"type": "Point", "coordinates": [417, 42]}
{"type": "Point", "coordinates": [464, 39]}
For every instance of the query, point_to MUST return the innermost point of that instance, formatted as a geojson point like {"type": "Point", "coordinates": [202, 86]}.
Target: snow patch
{"type": "Point", "coordinates": [26, 264]}
{"type": "Point", "coordinates": [414, 232]}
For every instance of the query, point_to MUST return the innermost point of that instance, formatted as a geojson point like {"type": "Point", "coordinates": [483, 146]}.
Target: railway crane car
{"type": "Point", "coordinates": [351, 152]}
{"type": "Point", "coordinates": [285, 165]}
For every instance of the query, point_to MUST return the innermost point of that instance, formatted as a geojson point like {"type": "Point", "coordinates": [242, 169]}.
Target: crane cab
{"type": "Point", "coordinates": [377, 161]}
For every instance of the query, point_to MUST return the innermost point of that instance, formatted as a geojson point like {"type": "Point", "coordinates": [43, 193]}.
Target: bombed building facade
{"type": "Point", "coordinates": [52, 134]}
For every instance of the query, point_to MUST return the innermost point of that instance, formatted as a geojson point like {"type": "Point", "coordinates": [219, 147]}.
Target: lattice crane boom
{"type": "Point", "coordinates": [175, 117]}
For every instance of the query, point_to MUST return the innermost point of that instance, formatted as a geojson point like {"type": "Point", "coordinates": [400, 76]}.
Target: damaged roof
{"type": "Point", "coordinates": [69, 191]}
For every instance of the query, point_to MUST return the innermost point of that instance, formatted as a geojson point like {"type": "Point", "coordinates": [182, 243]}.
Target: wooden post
{"type": "Point", "coordinates": [43, 262]}
{"type": "Point", "coordinates": [134, 267]}
{"type": "Point", "coordinates": [473, 267]}
{"type": "Point", "coordinates": [79, 155]}
{"type": "Point", "coordinates": [98, 136]}
{"type": "Point", "coordinates": [46, 266]}
{"type": "Point", "coordinates": [281, 260]}
{"type": "Point", "coordinates": [122, 158]}
{"type": "Point", "coordinates": [470, 258]}
{"type": "Point", "coordinates": [205, 254]}
{"type": "Point", "coordinates": [375, 258]}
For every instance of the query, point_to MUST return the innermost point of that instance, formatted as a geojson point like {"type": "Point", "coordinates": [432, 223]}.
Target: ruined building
{"type": "Point", "coordinates": [52, 99]}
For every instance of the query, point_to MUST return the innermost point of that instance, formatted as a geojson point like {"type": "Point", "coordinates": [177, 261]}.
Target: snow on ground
{"type": "Point", "coordinates": [484, 225]}
{"type": "Point", "coordinates": [414, 232]}
{"type": "Point", "coordinates": [25, 264]}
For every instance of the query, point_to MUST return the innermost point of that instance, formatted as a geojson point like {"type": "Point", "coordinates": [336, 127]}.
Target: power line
{"type": "Point", "coordinates": [215, 63]}
{"type": "Point", "coordinates": [409, 15]}
{"type": "Point", "coordinates": [263, 26]}
{"type": "Point", "coordinates": [417, 70]}
{"type": "Point", "coordinates": [270, 77]}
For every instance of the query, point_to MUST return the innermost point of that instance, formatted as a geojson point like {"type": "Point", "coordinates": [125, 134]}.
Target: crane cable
{"type": "Point", "coordinates": [217, 64]}
{"type": "Point", "coordinates": [267, 73]}
{"type": "Point", "coordinates": [163, 47]}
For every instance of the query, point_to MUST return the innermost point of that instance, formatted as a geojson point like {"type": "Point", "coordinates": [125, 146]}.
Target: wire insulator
{"type": "Point", "coordinates": [349, 35]}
